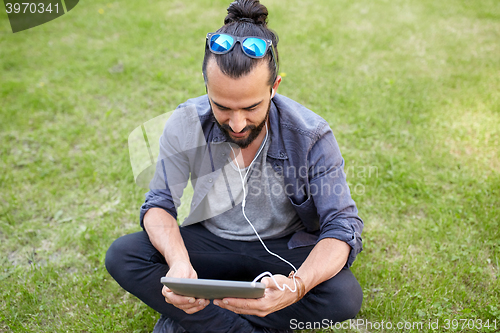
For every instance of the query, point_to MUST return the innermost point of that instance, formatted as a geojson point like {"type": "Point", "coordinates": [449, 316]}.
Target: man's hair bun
{"type": "Point", "coordinates": [245, 18]}
{"type": "Point", "coordinates": [251, 11]}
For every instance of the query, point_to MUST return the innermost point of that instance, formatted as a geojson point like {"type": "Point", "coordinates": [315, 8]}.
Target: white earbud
{"type": "Point", "coordinates": [272, 93]}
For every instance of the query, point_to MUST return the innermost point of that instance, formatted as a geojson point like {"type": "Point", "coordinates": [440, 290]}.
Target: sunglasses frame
{"type": "Point", "coordinates": [241, 40]}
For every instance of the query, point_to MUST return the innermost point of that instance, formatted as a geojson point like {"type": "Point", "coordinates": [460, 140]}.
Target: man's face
{"type": "Point", "coordinates": [240, 106]}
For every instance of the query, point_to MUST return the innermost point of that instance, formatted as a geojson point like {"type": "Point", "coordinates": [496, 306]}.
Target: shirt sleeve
{"type": "Point", "coordinates": [336, 209]}
{"type": "Point", "coordinates": [172, 170]}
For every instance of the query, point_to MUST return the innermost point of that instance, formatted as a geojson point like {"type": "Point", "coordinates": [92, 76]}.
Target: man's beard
{"type": "Point", "coordinates": [254, 132]}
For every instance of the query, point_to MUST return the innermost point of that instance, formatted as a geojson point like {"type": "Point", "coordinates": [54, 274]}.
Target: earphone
{"type": "Point", "coordinates": [272, 94]}
{"type": "Point", "coordinates": [243, 178]}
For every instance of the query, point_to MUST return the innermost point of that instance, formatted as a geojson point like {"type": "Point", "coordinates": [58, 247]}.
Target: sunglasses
{"type": "Point", "coordinates": [254, 47]}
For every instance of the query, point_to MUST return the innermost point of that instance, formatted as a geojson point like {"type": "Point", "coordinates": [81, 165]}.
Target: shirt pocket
{"type": "Point", "coordinates": [307, 213]}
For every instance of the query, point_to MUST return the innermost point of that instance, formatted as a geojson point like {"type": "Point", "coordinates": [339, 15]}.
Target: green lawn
{"type": "Point", "coordinates": [411, 89]}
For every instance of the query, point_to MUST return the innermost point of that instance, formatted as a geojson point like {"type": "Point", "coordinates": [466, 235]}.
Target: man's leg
{"type": "Point", "coordinates": [137, 266]}
{"type": "Point", "coordinates": [334, 300]}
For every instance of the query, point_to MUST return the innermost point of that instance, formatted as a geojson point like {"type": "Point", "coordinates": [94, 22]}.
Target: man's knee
{"type": "Point", "coordinates": [125, 252]}
{"type": "Point", "coordinates": [115, 256]}
{"type": "Point", "coordinates": [343, 294]}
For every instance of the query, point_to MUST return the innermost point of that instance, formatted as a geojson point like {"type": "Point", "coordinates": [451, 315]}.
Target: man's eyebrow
{"type": "Point", "coordinates": [245, 108]}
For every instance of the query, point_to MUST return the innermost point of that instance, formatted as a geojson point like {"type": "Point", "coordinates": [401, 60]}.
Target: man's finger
{"type": "Point", "coordinates": [267, 281]}
{"type": "Point", "coordinates": [240, 305]}
{"type": "Point", "coordinates": [183, 302]}
{"type": "Point", "coordinates": [195, 309]}
{"type": "Point", "coordinates": [177, 299]}
{"type": "Point", "coordinates": [238, 310]}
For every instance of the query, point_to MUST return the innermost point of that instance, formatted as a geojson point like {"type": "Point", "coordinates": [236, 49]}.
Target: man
{"type": "Point", "coordinates": [256, 160]}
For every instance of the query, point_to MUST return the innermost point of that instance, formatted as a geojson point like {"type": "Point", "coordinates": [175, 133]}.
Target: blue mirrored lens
{"type": "Point", "coordinates": [221, 43]}
{"type": "Point", "coordinates": [254, 47]}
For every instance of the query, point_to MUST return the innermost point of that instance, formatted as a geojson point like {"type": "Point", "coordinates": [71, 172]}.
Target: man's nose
{"type": "Point", "coordinates": [237, 122]}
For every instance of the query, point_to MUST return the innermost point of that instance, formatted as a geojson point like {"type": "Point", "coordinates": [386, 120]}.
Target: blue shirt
{"type": "Point", "coordinates": [303, 150]}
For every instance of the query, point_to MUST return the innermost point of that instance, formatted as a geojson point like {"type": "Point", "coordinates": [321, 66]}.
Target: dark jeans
{"type": "Point", "coordinates": [137, 266]}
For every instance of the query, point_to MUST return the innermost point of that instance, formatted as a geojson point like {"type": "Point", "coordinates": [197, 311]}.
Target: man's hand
{"type": "Point", "coordinates": [187, 304]}
{"type": "Point", "coordinates": [273, 299]}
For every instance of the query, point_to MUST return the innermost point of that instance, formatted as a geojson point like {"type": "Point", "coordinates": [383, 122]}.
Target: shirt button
{"type": "Point", "coordinates": [216, 139]}
{"type": "Point", "coordinates": [210, 180]}
{"type": "Point", "coordinates": [192, 204]}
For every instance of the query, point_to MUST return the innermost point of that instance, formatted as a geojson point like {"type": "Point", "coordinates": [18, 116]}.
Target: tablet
{"type": "Point", "coordinates": [214, 289]}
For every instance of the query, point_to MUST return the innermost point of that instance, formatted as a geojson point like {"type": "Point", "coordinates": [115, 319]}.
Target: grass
{"type": "Point", "coordinates": [410, 89]}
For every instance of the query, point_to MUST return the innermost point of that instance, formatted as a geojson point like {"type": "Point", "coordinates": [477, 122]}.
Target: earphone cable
{"type": "Point", "coordinates": [255, 231]}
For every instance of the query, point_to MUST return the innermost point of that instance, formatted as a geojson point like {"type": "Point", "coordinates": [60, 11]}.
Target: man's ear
{"type": "Point", "coordinates": [275, 86]}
